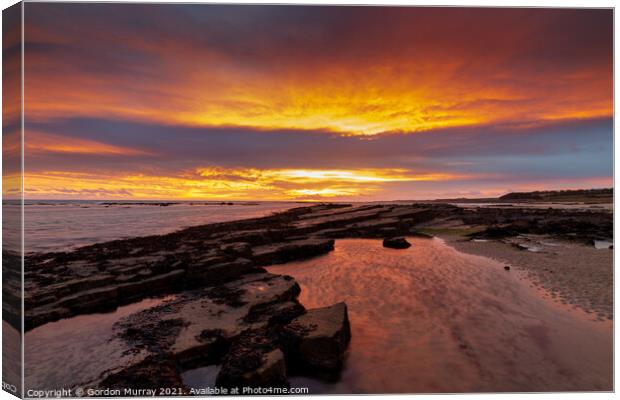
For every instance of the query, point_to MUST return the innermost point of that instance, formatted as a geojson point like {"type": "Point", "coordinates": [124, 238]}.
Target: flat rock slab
{"type": "Point", "coordinates": [316, 341]}
{"type": "Point", "coordinates": [146, 379]}
{"type": "Point", "coordinates": [199, 327]}
{"type": "Point", "coordinates": [195, 326]}
{"type": "Point", "coordinates": [284, 252]}
{"type": "Point", "coordinates": [254, 360]}
{"type": "Point", "coordinates": [340, 219]}
{"type": "Point", "coordinates": [252, 326]}
{"type": "Point", "coordinates": [396, 243]}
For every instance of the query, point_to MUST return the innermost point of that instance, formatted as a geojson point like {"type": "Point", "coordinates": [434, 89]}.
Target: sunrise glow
{"type": "Point", "coordinates": [313, 102]}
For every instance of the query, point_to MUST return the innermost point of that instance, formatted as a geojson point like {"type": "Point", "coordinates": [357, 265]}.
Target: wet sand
{"type": "Point", "coordinates": [433, 319]}
{"type": "Point", "coordinates": [575, 273]}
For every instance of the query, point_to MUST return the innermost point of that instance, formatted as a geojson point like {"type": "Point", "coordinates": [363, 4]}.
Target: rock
{"type": "Point", "coordinates": [250, 365]}
{"type": "Point", "coordinates": [422, 235]}
{"type": "Point", "coordinates": [294, 250]}
{"type": "Point", "coordinates": [155, 335]}
{"type": "Point", "coordinates": [151, 374]}
{"type": "Point", "coordinates": [316, 341]}
{"type": "Point", "coordinates": [497, 232]}
{"type": "Point", "coordinates": [528, 247]}
{"type": "Point", "coordinates": [276, 313]}
{"type": "Point", "coordinates": [272, 371]}
{"type": "Point", "coordinates": [396, 243]}
{"type": "Point", "coordinates": [99, 299]}
{"type": "Point", "coordinates": [388, 231]}
{"type": "Point", "coordinates": [242, 249]}
{"type": "Point", "coordinates": [603, 244]}
{"type": "Point", "coordinates": [154, 285]}
{"type": "Point", "coordinates": [206, 274]}
{"type": "Point", "coordinates": [339, 219]}
{"type": "Point", "coordinates": [197, 327]}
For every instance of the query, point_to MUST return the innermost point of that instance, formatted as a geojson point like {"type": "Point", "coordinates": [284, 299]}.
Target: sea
{"type": "Point", "coordinates": [66, 225]}
{"type": "Point", "coordinates": [63, 225]}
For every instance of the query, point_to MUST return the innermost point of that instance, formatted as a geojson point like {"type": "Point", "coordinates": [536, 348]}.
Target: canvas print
{"type": "Point", "coordinates": [210, 199]}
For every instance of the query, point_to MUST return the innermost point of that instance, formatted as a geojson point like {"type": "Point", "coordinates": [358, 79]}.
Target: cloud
{"type": "Point", "coordinates": [452, 150]}
{"type": "Point", "coordinates": [38, 142]}
{"type": "Point", "coordinates": [349, 70]}
{"type": "Point", "coordinates": [296, 102]}
{"type": "Point", "coordinates": [226, 183]}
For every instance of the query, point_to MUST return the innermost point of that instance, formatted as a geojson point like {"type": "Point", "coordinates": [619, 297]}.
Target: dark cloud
{"type": "Point", "coordinates": [150, 61]}
{"type": "Point", "coordinates": [271, 35]}
{"type": "Point", "coordinates": [567, 148]}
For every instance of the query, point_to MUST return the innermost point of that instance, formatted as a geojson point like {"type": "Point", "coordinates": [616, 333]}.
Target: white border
{"type": "Point", "coordinates": [470, 3]}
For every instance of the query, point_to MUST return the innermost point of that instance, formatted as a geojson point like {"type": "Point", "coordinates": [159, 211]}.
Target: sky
{"type": "Point", "coordinates": [221, 102]}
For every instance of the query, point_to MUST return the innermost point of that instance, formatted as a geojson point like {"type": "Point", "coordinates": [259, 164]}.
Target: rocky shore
{"type": "Point", "coordinates": [226, 309]}
{"type": "Point", "coordinates": [253, 327]}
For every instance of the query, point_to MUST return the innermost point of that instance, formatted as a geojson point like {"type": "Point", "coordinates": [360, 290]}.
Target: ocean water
{"type": "Point", "coordinates": [66, 225]}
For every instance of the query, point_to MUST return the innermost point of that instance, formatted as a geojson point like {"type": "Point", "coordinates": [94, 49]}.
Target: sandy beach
{"type": "Point", "coordinates": [574, 273]}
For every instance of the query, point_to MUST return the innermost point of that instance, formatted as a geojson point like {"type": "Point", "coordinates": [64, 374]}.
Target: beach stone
{"type": "Point", "coordinates": [497, 232]}
{"type": "Point", "coordinates": [254, 361]}
{"type": "Point", "coordinates": [317, 340]}
{"type": "Point", "coordinates": [152, 374]}
{"type": "Point", "coordinates": [219, 273]}
{"type": "Point", "coordinates": [396, 243]}
{"type": "Point", "coordinates": [289, 251]}
{"type": "Point", "coordinates": [270, 372]}
{"type": "Point", "coordinates": [241, 248]}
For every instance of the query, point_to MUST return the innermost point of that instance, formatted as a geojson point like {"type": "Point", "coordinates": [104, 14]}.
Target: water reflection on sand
{"type": "Point", "coordinates": [78, 350]}
{"type": "Point", "coordinates": [432, 319]}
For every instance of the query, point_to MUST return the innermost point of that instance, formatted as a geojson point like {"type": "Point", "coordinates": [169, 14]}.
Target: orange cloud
{"type": "Point", "coordinates": [225, 183]}
{"type": "Point", "coordinates": [323, 175]}
{"type": "Point", "coordinates": [367, 102]}
{"type": "Point", "coordinates": [350, 71]}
